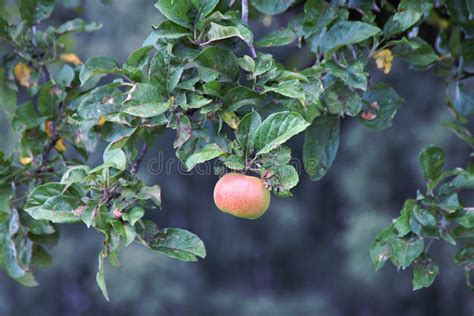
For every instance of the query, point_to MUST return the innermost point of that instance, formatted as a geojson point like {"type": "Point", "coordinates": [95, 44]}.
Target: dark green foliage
{"type": "Point", "coordinates": [199, 74]}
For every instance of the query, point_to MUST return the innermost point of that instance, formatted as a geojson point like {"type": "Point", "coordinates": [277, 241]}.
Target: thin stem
{"type": "Point", "coordinates": [49, 146]}
{"type": "Point", "coordinates": [245, 11]}
{"type": "Point", "coordinates": [466, 75]}
{"type": "Point", "coordinates": [245, 20]}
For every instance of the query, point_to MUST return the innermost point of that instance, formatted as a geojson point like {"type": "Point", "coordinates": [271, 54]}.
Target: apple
{"type": "Point", "coordinates": [241, 195]}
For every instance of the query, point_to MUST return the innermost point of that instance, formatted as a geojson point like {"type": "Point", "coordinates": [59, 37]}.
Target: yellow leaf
{"type": "Point", "coordinates": [102, 121]}
{"type": "Point", "coordinates": [70, 58]}
{"type": "Point", "coordinates": [25, 160]}
{"type": "Point", "coordinates": [48, 128]}
{"type": "Point", "coordinates": [60, 146]}
{"type": "Point", "coordinates": [383, 60]}
{"type": "Point", "coordinates": [22, 74]}
{"type": "Point", "coordinates": [231, 119]}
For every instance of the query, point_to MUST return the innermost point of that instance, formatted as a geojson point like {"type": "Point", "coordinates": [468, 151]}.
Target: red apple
{"type": "Point", "coordinates": [241, 195]}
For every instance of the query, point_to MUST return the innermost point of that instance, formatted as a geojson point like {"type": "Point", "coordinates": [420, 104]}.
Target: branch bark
{"type": "Point", "coordinates": [245, 20]}
{"type": "Point", "coordinates": [141, 155]}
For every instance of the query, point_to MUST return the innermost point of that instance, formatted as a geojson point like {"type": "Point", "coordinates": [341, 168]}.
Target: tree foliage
{"type": "Point", "coordinates": [199, 74]}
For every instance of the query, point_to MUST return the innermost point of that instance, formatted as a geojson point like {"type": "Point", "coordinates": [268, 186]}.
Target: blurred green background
{"type": "Point", "coordinates": [309, 255]}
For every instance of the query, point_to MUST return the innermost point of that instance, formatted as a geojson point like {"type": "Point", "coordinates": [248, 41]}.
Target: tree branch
{"type": "Point", "coordinates": [466, 75]}
{"type": "Point", "coordinates": [245, 20]}
{"type": "Point", "coordinates": [47, 149]}
{"type": "Point", "coordinates": [245, 11]}
{"type": "Point", "coordinates": [136, 164]}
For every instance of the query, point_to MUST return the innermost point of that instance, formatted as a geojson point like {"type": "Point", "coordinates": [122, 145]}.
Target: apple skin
{"type": "Point", "coordinates": [241, 195]}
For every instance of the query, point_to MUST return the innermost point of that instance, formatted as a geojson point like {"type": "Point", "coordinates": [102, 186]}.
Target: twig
{"type": "Point", "coordinates": [245, 11]}
{"type": "Point", "coordinates": [49, 146]}
{"type": "Point", "coordinates": [138, 161]}
{"type": "Point", "coordinates": [466, 75]}
{"type": "Point", "coordinates": [46, 73]}
{"type": "Point", "coordinates": [245, 20]}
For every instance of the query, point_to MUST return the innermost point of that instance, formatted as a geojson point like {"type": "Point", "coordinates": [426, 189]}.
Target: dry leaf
{"type": "Point", "coordinates": [70, 58]}
{"type": "Point", "coordinates": [22, 74]}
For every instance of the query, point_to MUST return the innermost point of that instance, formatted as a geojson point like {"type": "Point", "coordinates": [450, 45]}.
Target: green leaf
{"type": "Point", "coordinates": [467, 220]}
{"type": "Point", "coordinates": [278, 38]}
{"type": "Point", "coordinates": [283, 180]}
{"type": "Point", "coordinates": [57, 209]}
{"type": "Point", "coordinates": [247, 63]}
{"type": "Point", "coordinates": [347, 33]}
{"type": "Point", "coordinates": [183, 132]}
{"type": "Point", "coordinates": [208, 152]}
{"type": "Point", "coordinates": [235, 162]}
{"type": "Point", "coordinates": [138, 58]}
{"type": "Point", "coordinates": [100, 277]}
{"type": "Point", "coordinates": [28, 280]}
{"type": "Point", "coordinates": [64, 77]}
{"type": "Point", "coordinates": [135, 214]}
{"type": "Point", "coordinates": [115, 158]}
{"type": "Point", "coordinates": [5, 196]}
{"type": "Point", "coordinates": [4, 29]}
{"type": "Point", "coordinates": [432, 162]}
{"type": "Point", "coordinates": [264, 64]}
{"type": "Point", "coordinates": [465, 256]}
{"type": "Point", "coordinates": [317, 15]}
{"type": "Point", "coordinates": [272, 7]}
{"type": "Point", "coordinates": [380, 250]}
{"type": "Point", "coordinates": [7, 95]}
{"type": "Point", "coordinates": [406, 250]}
{"type": "Point", "coordinates": [175, 10]}
{"type": "Point", "coordinates": [384, 102]}
{"type": "Point", "coordinates": [321, 143]}
{"type": "Point", "coordinates": [130, 234]}
{"type": "Point", "coordinates": [240, 96]}
{"type": "Point", "coordinates": [353, 75]}
{"type": "Point", "coordinates": [204, 8]}
{"type": "Point", "coordinates": [146, 110]}
{"type": "Point", "coordinates": [48, 202]}
{"type": "Point", "coordinates": [246, 129]}
{"type": "Point", "coordinates": [341, 100]}
{"type": "Point", "coordinates": [425, 271]}
{"type": "Point", "coordinates": [152, 193]}
{"type": "Point", "coordinates": [401, 21]}
{"type": "Point", "coordinates": [179, 244]}
{"type": "Point", "coordinates": [402, 223]}
{"type": "Point", "coordinates": [291, 89]}
{"type": "Point", "coordinates": [75, 174]}
{"type": "Point", "coordinates": [10, 256]}
{"type": "Point", "coordinates": [162, 73]}
{"type": "Point", "coordinates": [76, 25]}
{"type": "Point", "coordinates": [26, 117]}
{"type": "Point", "coordinates": [40, 257]}
{"type": "Point", "coordinates": [196, 101]}
{"type": "Point", "coordinates": [97, 67]}
{"type": "Point", "coordinates": [34, 11]}
{"type": "Point", "coordinates": [415, 51]}
{"type": "Point", "coordinates": [464, 99]}
{"type": "Point", "coordinates": [218, 60]}
{"type": "Point", "coordinates": [167, 30]}
{"type": "Point", "coordinates": [425, 217]}
{"type": "Point", "coordinates": [460, 131]}
{"type": "Point", "coordinates": [277, 129]}
{"type": "Point", "coordinates": [219, 32]}
{"type": "Point", "coordinates": [144, 101]}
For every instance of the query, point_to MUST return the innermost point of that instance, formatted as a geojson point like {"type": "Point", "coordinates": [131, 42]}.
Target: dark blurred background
{"type": "Point", "coordinates": [309, 254]}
